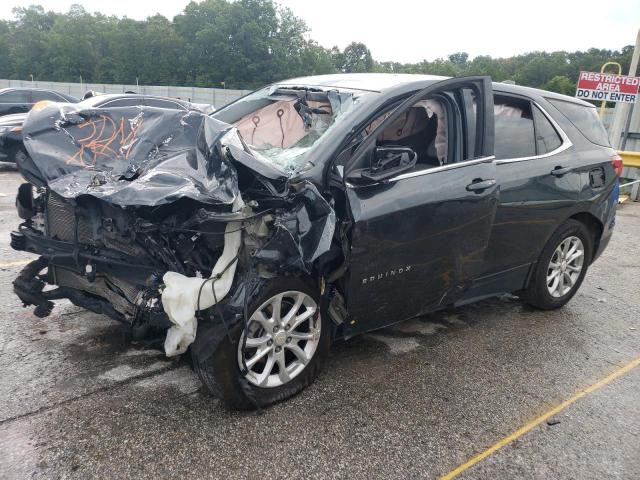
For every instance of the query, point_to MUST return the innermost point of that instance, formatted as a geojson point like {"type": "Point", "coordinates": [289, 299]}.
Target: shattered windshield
{"type": "Point", "coordinates": [281, 124]}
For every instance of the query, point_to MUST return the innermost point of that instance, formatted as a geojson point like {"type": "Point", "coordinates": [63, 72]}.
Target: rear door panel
{"type": "Point", "coordinates": [533, 202]}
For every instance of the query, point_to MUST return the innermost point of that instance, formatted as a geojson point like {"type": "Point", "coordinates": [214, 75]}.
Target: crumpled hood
{"type": "Point", "coordinates": [129, 156]}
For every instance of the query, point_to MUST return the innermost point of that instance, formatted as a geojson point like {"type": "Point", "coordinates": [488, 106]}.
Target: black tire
{"type": "Point", "coordinates": [220, 373]}
{"type": "Point", "coordinates": [537, 294]}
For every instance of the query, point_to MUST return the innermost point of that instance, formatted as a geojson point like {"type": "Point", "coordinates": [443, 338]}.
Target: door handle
{"type": "Point", "coordinates": [559, 171]}
{"type": "Point", "coordinates": [478, 185]}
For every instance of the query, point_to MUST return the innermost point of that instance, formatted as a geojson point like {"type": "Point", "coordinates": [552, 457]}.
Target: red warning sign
{"type": "Point", "coordinates": [607, 87]}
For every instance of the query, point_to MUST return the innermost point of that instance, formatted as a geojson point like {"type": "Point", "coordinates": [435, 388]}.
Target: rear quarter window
{"type": "Point", "coordinates": [547, 138]}
{"type": "Point", "coordinates": [584, 119]}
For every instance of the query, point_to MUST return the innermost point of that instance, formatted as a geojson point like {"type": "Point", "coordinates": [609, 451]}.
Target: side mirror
{"type": "Point", "coordinates": [388, 162]}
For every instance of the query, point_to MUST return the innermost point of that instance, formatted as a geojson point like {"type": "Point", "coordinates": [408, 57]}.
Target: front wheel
{"type": "Point", "coordinates": [561, 268]}
{"type": "Point", "coordinates": [287, 341]}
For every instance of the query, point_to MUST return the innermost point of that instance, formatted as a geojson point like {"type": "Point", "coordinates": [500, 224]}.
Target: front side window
{"type": "Point", "coordinates": [514, 129]}
{"type": "Point", "coordinates": [422, 127]}
{"type": "Point", "coordinates": [282, 124]}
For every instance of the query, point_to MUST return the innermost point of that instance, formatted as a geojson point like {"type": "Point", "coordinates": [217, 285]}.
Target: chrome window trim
{"type": "Point", "coordinates": [428, 171]}
{"type": "Point", "coordinates": [441, 168]}
{"type": "Point", "coordinates": [566, 143]}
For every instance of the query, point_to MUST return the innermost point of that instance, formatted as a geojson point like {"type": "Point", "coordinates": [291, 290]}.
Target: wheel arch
{"type": "Point", "coordinates": [593, 223]}
{"type": "Point", "coordinates": [595, 226]}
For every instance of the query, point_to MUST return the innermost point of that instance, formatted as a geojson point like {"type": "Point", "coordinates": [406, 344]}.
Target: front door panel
{"type": "Point", "coordinates": [417, 243]}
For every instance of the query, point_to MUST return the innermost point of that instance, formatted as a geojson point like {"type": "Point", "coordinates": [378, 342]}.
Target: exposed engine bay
{"type": "Point", "coordinates": [164, 220]}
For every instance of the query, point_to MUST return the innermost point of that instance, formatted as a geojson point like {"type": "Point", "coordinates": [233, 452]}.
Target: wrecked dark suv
{"type": "Point", "coordinates": [314, 209]}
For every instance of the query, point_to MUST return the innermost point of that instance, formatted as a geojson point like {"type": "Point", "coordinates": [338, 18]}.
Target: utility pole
{"type": "Point", "coordinates": [624, 110]}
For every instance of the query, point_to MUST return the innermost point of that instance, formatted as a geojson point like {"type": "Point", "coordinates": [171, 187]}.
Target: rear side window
{"type": "Point", "coordinates": [585, 119]}
{"type": "Point", "coordinates": [514, 130]}
{"type": "Point", "coordinates": [15, 96]}
{"type": "Point", "coordinates": [547, 138]}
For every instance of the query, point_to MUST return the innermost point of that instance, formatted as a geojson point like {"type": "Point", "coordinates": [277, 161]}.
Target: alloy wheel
{"type": "Point", "coordinates": [282, 337]}
{"type": "Point", "coordinates": [565, 266]}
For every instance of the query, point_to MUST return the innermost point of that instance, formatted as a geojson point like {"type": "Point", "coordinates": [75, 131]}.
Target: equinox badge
{"type": "Point", "coordinates": [388, 273]}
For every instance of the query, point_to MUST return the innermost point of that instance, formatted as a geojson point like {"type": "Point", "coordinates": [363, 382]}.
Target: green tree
{"type": "Point", "coordinates": [485, 65]}
{"type": "Point", "coordinates": [337, 58]}
{"type": "Point", "coordinates": [162, 62]}
{"type": "Point", "coordinates": [31, 33]}
{"type": "Point", "coordinates": [357, 58]}
{"type": "Point", "coordinates": [560, 84]}
{"type": "Point", "coordinates": [6, 62]}
{"type": "Point", "coordinates": [70, 46]}
{"type": "Point", "coordinates": [245, 43]}
{"type": "Point", "coordinates": [459, 59]}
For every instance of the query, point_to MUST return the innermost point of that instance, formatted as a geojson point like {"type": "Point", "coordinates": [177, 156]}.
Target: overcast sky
{"type": "Point", "coordinates": [410, 31]}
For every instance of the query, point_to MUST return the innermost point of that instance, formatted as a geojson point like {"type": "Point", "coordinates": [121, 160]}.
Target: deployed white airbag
{"type": "Point", "coordinates": [180, 295]}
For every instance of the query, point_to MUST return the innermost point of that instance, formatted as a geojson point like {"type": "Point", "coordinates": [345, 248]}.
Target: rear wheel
{"type": "Point", "coordinates": [286, 344]}
{"type": "Point", "coordinates": [561, 268]}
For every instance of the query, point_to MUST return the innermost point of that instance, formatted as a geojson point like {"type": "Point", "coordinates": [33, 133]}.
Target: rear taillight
{"type": "Point", "coordinates": [616, 160]}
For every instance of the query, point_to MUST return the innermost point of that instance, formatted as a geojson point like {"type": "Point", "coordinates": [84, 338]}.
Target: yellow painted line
{"type": "Point", "coordinates": [537, 421]}
{"type": "Point", "coordinates": [17, 263]}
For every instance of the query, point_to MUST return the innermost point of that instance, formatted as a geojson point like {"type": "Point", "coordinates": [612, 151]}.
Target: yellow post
{"type": "Point", "coordinates": [604, 102]}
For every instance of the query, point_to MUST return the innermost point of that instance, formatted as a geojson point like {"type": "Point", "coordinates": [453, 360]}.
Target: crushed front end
{"type": "Point", "coordinates": [153, 217]}
{"type": "Point", "coordinates": [107, 259]}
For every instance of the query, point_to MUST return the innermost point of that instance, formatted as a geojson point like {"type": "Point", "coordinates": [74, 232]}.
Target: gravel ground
{"type": "Point", "coordinates": [414, 400]}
